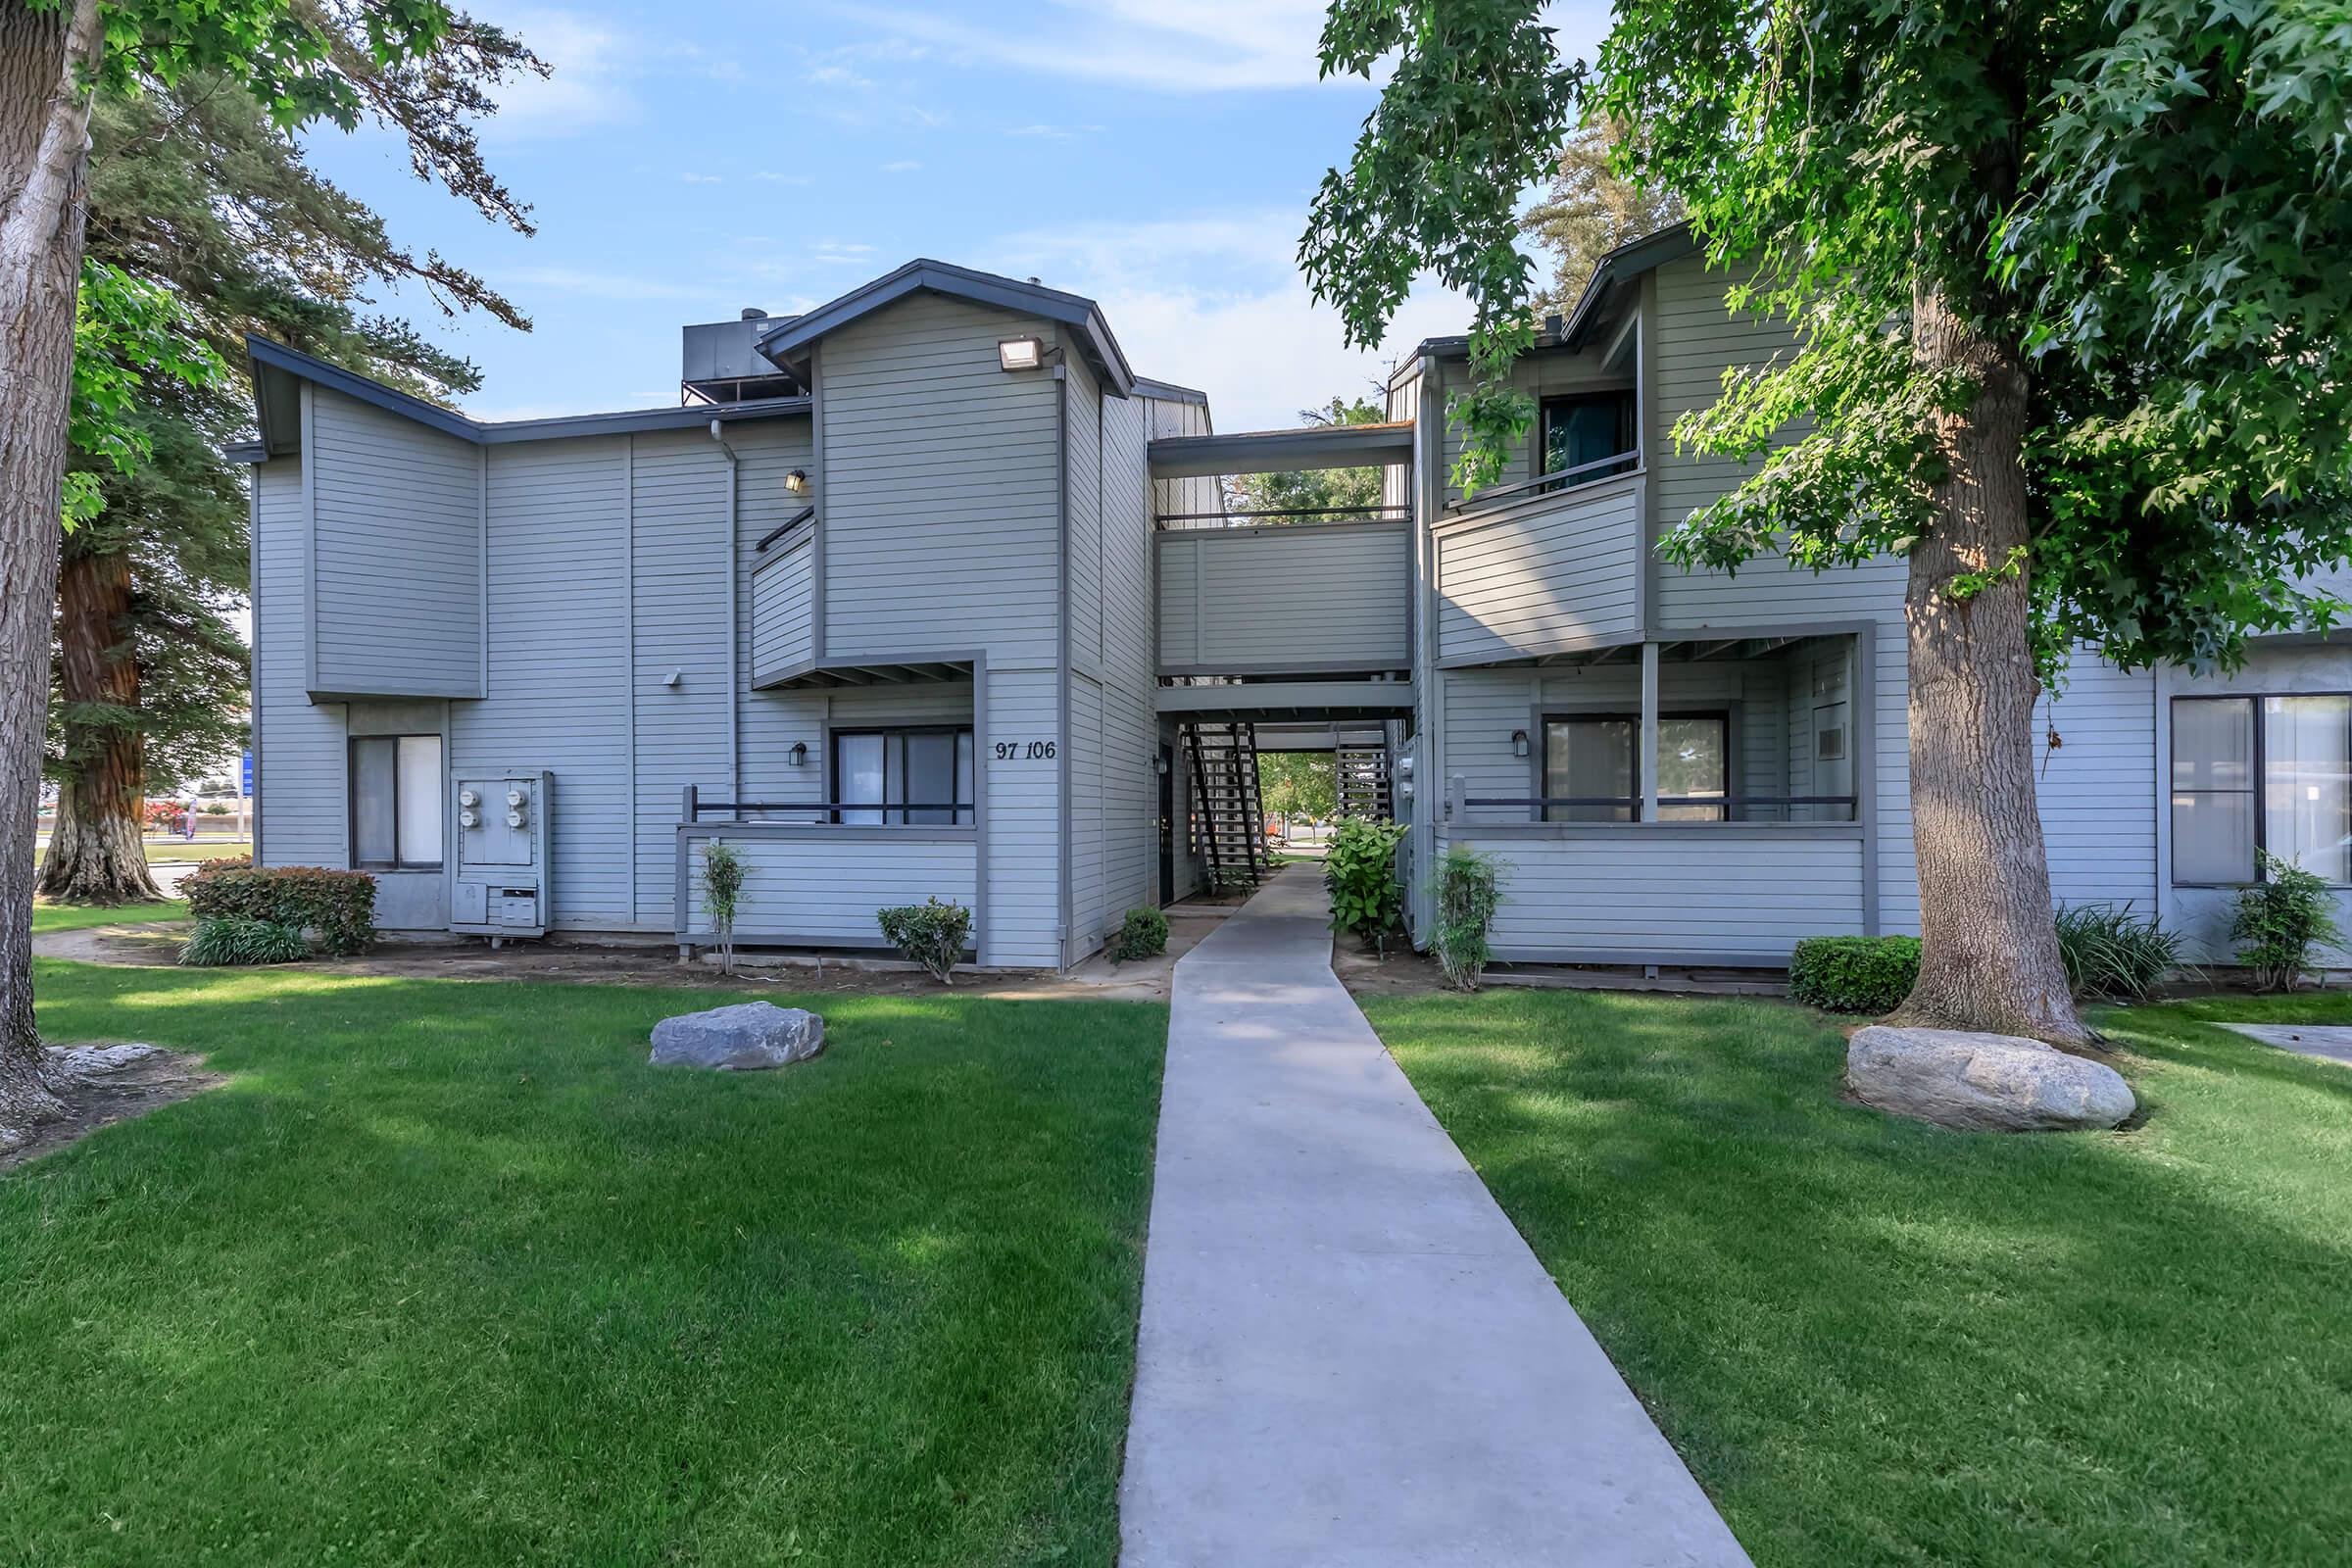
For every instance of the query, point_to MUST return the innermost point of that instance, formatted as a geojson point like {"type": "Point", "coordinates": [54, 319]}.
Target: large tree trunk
{"type": "Point", "coordinates": [97, 853]}
{"type": "Point", "coordinates": [1990, 956]}
{"type": "Point", "coordinates": [44, 151]}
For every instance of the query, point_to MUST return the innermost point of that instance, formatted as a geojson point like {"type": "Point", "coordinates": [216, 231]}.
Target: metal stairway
{"type": "Point", "coordinates": [1226, 813]}
{"type": "Point", "coordinates": [1362, 761]}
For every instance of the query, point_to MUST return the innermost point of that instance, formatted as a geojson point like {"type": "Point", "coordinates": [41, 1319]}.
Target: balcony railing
{"type": "Point", "coordinates": [1543, 484]}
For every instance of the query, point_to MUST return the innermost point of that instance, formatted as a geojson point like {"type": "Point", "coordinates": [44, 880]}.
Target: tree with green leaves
{"type": "Point", "coordinates": [1589, 208]}
{"type": "Point", "coordinates": [2069, 284]}
{"type": "Point", "coordinates": [1356, 490]}
{"type": "Point", "coordinates": [195, 191]}
{"type": "Point", "coordinates": [338, 61]}
{"type": "Point", "coordinates": [1303, 784]}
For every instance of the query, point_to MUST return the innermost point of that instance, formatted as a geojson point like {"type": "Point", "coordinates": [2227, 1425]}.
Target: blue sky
{"type": "Point", "coordinates": [684, 161]}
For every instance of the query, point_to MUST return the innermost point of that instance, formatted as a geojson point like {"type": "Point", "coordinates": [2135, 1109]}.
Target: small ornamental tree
{"type": "Point", "coordinates": [722, 890]}
{"type": "Point", "coordinates": [2069, 284]}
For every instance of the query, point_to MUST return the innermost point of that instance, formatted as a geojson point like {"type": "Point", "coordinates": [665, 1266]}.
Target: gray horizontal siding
{"type": "Point", "coordinates": [2094, 767]}
{"type": "Point", "coordinates": [784, 608]}
{"type": "Point", "coordinates": [1555, 571]}
{"type": "Point", "coordinates": [941, 510]}
{"type": "Point", "coordinates": [299, 746]}
{"type": "Point", "coordinates": [1710, 892]}
{"type": "Point", "coordinates": [558, 694]}
{"type": "Point", "coordinates": [1251, 600]}
{"type": "Point", "coordinates": [820, 889]}
{"type": "Point", "coordinates": [397, 564]}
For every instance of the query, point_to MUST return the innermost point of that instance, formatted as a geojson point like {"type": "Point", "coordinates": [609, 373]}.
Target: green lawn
{"type": "Point", "coordinates": [171, 851]}
{"type": "Point", "coordinates": [447, 1275]}
{"type": "Point", "coordinates": [1876, 1341]}
{"type": "Point", "coordinates": [47, 916]}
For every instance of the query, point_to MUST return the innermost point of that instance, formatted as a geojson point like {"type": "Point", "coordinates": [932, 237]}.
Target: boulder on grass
{"type": "Point", "coordinates": [744, 1038]}
{"type": "Point", "coordinates": [1983, 1082]}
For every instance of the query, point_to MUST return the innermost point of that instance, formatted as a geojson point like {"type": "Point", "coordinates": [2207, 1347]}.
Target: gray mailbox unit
{"type": "Point", "coordinates": [502, 883]}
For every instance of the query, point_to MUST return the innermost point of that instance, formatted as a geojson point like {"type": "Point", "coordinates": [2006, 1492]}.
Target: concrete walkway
{"type": "Point", "coordinates": [1347, 1354]}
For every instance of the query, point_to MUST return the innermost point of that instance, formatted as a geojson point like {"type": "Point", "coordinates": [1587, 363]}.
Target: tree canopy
{"type": "Point", "coordinates": [1587, 209]}
{"type": "Point", "coordinates": [1313, 489]}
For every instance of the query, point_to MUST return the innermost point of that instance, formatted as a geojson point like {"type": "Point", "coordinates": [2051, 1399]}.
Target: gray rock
{"type": "Point", "coordinates": [1989, 1083]}
{"type": "Point", "coordinates": [96, 1061]}
{"type": "Point", "coordinates": [744, 1038]}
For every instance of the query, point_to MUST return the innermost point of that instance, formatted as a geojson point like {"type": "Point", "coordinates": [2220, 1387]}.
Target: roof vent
{"type": "Point", "coordinates": [753, 313]}
{"type": "Point", "coordinates": [1032, 280]}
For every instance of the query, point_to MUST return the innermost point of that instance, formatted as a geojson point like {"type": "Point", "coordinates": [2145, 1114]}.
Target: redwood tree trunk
{"type": "Point", "coordinates": [1989, 954]}
{"type": "Point", "coordinates": [44, 152]}
{"type": "Point", "coordinates": [98, 853]}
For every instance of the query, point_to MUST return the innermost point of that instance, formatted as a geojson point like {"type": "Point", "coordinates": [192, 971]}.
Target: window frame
{"type": "Point", "coordinates": [2258, 787]}
{"type": "Point", "coordinates": [350, 801]}
{"type": "Point", "coordinates": [1539, 755]}
{"type": "Point", "coordinates": [957, 814]}
{"type": "Point", "coordinates": [1629, 428]}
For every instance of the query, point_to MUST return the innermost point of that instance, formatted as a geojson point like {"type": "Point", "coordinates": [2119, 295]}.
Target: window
{"type": "Point", "coordinates": [396, 802]}
{"type": "Point", "coordinates": [904, 776]}
{"type": "Point", "coordinates": [1589, 427]}
{"type": "Point", "coordinates": [2256, 773]}
{"type": "Point", "coordinates": [1589, 764]}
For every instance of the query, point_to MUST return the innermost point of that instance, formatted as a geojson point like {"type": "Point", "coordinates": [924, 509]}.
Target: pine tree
{"type": "Point", "coordinates": [1588, 210]}
{"type": "Point", "coordinates": [194, 189]}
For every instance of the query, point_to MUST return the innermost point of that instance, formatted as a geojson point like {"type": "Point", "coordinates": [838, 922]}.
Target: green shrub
{"type": "Point", "coordinates": [1144, 934]}
{"type": "Point", "coordinates": [2283, 923]}
{"type": "Point", "coordinates": [217, 809]}
{"type": "Point", "coordinates": [339, 906]}
{"type": "Point", "coordinates": [2110, 953]}
{"type": "Point", "coordinates": [1853, 975]}
{"type": "Point", "coordinates": [1466, 891]}
{"type": "Point", "coordinates": [722, 890]}
{"type": "Point", "coordinates": [1359, 869]}
{"type": "Point", "coordinates": [236, 939]}
{"type": "Point", "coordinates": [931, 933]}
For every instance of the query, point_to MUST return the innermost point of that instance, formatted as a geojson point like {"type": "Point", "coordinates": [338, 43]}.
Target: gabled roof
{"type": "Point", "coordinates": [270, 357]}
{"type": "Point", "coordinates": [1610, 274]}
{"type": "Point", "coordinates": [1091, 334]}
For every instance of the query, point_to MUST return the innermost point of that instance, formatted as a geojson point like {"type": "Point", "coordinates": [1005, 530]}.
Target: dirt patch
{"type": "Point", "coordinates": [102, 1084]}
{"type": "Point", "coordinates": [586, 960]}
{"type": "Point", "coordinates": [1400, 973]}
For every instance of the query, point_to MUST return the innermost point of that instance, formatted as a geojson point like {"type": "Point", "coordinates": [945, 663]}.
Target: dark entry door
{"type": "Point", "coordinates": [1167, 824]}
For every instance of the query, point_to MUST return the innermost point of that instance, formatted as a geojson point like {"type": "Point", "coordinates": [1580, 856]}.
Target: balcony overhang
{"type": "Point", "coordinates": [1290, 700]}
{"type": "Point", "coordinates": [1320, 446]}
{"type": "Point", "coordinates": [861, 672]}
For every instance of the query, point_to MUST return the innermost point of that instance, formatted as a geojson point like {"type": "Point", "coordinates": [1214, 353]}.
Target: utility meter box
{"type": "Point", "coordinates": [501, 885]}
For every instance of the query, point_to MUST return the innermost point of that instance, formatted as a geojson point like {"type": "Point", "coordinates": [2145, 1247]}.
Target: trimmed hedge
{"type": "Point", "coordinates": [341, 905]}
{"type": "Point", "coordinates": [1853, 975]}
{"type": "Point", "coordinates": [1144, 934]}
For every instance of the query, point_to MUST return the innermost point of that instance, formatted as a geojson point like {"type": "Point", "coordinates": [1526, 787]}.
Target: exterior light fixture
{"type": "Point", "coordinates": [1160, 765]}
{"type": "Point", "coordinates": [797, 756]}
{"type": "Point", "coordinates": [1021, 353]}
{"type": "Point", "coordinates": [797, 481]}
{"type": "Point", "coordinates": [1518, 743]}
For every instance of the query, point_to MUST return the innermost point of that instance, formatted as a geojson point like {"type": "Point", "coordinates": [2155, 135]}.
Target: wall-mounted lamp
{"type": "Point", "coordinates": [1021, 353]}
{"type": "Point", "coordinates": [1518, 743]}
{"type": "Point", "coordinates": [797, 481]}
{"type": "Point", "coordinates": [797, 756]}
{"type": "Point", "coordinates": [1160, 765]}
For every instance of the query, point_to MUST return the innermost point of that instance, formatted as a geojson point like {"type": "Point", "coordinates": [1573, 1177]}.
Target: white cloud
{"type": "Point", "coordinates": [774, 178]}
{"type": "Point", "coordinates": [594, 285]}
{"type": "Point", "coordinates": [702, 179]}
{"type": "Point", "coordinates": [1201, 46]}
{"type": "Point", "coordinates": [1216, 301]}
{"type": "Point", "coordinates": [586, 87]}
{"type": "Point", "coordinates": [1052, 133]}
{"type": "Point", "coordinates": [901, 165]}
